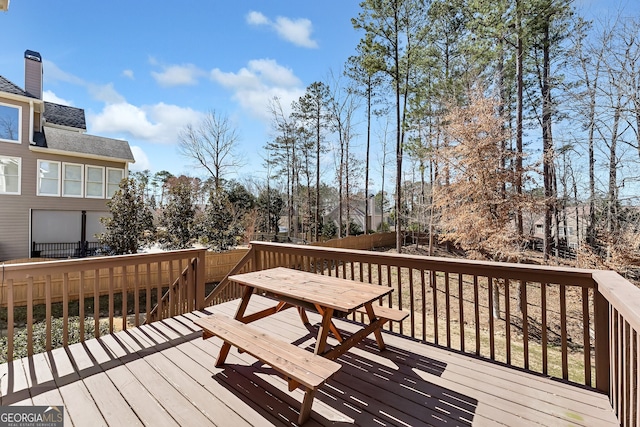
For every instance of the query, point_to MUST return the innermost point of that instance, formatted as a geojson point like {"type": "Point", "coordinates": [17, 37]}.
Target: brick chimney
{"type": "Point", "coordinates": [33, 73]}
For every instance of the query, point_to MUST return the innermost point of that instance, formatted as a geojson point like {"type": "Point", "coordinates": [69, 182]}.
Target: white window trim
{"type": "Point", "coordinates": [86, 182]}
{"type": "Point", "coordinates": [38, 178]}
{"type": "Point", "coordinates": [19, 192]}
{"type": "Point", "coordinates": [64, 167]}
{"type": "Point", "coordinates": [19, 108]}
{"type": "Point", "coordinates": [106, 180]}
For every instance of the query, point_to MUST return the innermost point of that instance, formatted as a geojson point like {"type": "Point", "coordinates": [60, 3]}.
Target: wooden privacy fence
{"type": "Point", "coordinates": [575, 324]}
{"type": "Point", "coordinates": [133, 279]}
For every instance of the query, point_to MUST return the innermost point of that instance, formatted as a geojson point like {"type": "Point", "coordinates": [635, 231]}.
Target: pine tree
{"type": "Point", "coordinates": [131, 221]}
{"type": "Point", "coordinates": [178, 214]}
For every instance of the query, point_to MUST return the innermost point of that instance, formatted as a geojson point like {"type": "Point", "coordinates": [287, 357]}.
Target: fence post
{"type": "Point", "coordinates": [200, 280]}
{"type": "Point", "coordinates": [601, 320]}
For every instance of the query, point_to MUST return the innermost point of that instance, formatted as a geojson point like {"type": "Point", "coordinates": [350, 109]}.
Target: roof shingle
{"type": "Point", "coordinates": [83, 144]}
{"type": "Point", "coordinates": [10, 87]}
{"type": "Point", "coordinates": [64, 115]}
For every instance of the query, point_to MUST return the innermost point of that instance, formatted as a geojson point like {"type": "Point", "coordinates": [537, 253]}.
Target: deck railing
{"type": "Point", "coordinates": [95, 293]}
{"type": "Point", "coordinates": [573, 324]}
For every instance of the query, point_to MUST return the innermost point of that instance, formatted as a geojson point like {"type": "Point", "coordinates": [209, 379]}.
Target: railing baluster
{"type": "Point", "coordinates": [492, 338]}
{"type": "Point", "coordinates": [125, 295]}
{"type": "Point", "coordinates": [148, 293]}
{"type": "Point", "coordinates": [136, 294]}
{"type": "Point", "coordinates": [47, 292]}
{"type": "Point", "coordinates": [423, 301]}
{"type": "Point", "coordinates": [30, 316]}
{"type": "Point", "coordinates": [172, 300]}
{"type": "Point", "coordinates": [160, 305]}
{"type": "Point", "coordinates": [81, 314]}
{"type": "Point", "coordinates": [65, 309]}
{"type": "Point", "coordinates": [434, 295]}
{"type": "Point", "coordinates": [507, 318]}
{"type": "Point", "coordinates": [461, 311]}
{"type": "Point", "coordinates": [524, 310]}
{"type": "Point", "coordinates": [543, 327]}
{"type": "Point", "coordinates": [96, 303]}
{"type": "Point", "coordinates": [476, 302]}
{"type": "Point", "coordinates": [412, 316]}
{"type": "Point", "coordinates": [615, 362]}
{"type": "Point", "coordinates": [399, 289]}
{"type": "Point", "coordinates": [626, 377]}
{"type": "Point", "coordinates": [10, 320]}
{"type": "Point", "coordinates": [636, 377]}
{"type": "Point", "coordinates": [111, 300]}
{"type": "Point", "coordinates": [586, 339]}
{"type": "Point", "coordinates": [563, 331]}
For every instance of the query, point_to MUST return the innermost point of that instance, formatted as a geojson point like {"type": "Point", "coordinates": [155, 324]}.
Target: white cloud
{"type": "Point", "coordinates": [159, 123]}
{"type": "Point", "coordinates": [128, 74]}
{"type": "Point", "coordinates": [178, 75]}
{"type": "Point", "coordinates": [257, 18]}
{"type": "Point", "coordinates": [49, 96]}
{"type": "Point", "coordinates": [53, 73]}
{"type": "Point", "coordinates": [256, 85]}
{"type": "Point", "coordinates": [297, 31]}
{"type": "Point", "coordinates": [105, 93]}
{"type": "Point", "coordinates": [142, 161]}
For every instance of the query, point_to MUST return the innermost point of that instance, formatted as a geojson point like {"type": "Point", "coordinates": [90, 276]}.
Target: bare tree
{"type": "Point", "coordinates": [342, 107]}
{"type": "Point", "coordinates": [211, 144]}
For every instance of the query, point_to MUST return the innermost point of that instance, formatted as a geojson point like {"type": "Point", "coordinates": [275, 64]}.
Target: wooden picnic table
{"type": "Point", "coordinates": [329, 296]}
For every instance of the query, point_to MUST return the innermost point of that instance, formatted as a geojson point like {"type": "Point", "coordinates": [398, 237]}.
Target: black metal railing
{"type": "Point", "coordinates": [65, 250]}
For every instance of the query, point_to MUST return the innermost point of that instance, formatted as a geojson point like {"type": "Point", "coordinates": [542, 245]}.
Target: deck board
{"type": "Point", "coordinates": [164, 374]}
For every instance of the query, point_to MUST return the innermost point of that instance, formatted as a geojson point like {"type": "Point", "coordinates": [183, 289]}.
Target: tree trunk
{"type": "Point", "coordinates": [547, 141]}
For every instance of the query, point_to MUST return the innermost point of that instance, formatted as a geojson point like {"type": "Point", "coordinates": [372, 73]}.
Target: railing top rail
{"type": "Point", "coordinates": [32, 269]}
{"type": "Point", "coordinates": [623, 295]}
{"type": "Point", "coordinates": [528, 272]}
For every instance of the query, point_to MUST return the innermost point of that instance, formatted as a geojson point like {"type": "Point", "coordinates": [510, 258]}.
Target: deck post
{"type": "Point", "coordinates": [200, 280]}
{"type": "Point", "coordinates": [601, 328]}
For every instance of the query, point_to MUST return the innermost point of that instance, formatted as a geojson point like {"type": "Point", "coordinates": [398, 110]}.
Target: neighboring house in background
{"type": "Point", "coordinates": [55, 180]}
{"type": "Point", "coordinates": [357, 214]}
{"type": "Point", "coordinates": [573, 230]}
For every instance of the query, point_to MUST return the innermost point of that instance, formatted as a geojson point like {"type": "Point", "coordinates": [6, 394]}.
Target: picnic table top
{"type": "Point", "coordinates": [330, 292]}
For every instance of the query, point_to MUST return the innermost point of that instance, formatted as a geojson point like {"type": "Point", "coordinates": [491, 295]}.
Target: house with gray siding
{"type": "Point", "coordinates": [55, 179]}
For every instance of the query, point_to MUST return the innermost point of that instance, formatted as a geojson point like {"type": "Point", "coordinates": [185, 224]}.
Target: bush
{"type": "Point", "coordinates": [40, 336]}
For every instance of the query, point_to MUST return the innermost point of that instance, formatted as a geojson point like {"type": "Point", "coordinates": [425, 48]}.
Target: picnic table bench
{"type": "Point", "coordinates": [298, 366]}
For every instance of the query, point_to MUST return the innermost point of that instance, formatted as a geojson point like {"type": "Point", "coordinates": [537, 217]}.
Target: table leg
{"type": "Point", "coordinates": [303, 315]}
{"type": "Point", "coordinates": [332, 326]}
{"type": "Point", "coordinates": [246, 295]}
{"type": "Point", "coordinates": [321, 341]}
{"type": "Point", "coordinates": [376, 332]}
{"type": "Point", "coordinates": [224, 352]}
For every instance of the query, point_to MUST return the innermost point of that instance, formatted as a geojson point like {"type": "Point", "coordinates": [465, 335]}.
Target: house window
{"type": "Point", "coordinates": [95, 182]}
{"type": "Point", "coordinates": [10, 175]}
{"type": "Point", "coordinates": [48, 178]}
{"type": "Point", "coordinates": [539, 228]}
{"type": "Point", "coordinates": [114, 176]}
{"type": "Point", "coordinates": [72, 180]}
{"type": "Point", "coordinates": [9, 123]}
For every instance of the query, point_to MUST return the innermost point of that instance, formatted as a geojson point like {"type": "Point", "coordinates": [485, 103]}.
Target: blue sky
{"type": "Point", "coordinates": [143, 70]}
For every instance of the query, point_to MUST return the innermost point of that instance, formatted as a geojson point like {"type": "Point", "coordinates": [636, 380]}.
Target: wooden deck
{"type": "Point", "coordinates": [163, 374]}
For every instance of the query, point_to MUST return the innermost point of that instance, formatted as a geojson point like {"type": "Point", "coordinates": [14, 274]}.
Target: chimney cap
{"type": "Point", "coordinates": [33, 55]}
